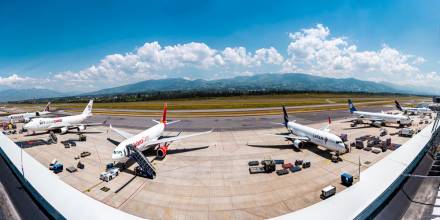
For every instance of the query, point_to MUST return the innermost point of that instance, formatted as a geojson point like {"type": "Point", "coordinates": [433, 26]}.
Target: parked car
{"type": "Point", "coordinates": [109, 174]}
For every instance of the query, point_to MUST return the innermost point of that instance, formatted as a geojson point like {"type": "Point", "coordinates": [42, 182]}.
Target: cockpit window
{"type": "Point", "coordinates": [339, 142]}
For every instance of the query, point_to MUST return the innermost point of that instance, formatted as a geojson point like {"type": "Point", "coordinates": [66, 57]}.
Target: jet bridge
{"type": "Point", "coordinates": [145, 167]}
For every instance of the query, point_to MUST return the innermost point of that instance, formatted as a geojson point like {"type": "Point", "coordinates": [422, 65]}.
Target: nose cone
{"type": "Point", "coordinates": [115, 156]}
{"type": "Point", "coordinates": [26, 126]}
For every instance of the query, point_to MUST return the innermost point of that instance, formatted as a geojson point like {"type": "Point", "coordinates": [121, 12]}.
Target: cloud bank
{"type": "Point", "coordinates": [313, 50]}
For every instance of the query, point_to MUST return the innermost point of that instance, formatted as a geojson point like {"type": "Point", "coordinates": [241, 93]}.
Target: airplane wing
{"type": "Point", "coordinates": [291, 137]}
{"type": "Point", "coordinates": [375, 119]}
{"type": "Point", "coordinates": [124, 134]}
{"type": "Point", "coordinates": [326, 128]}
{"type": "Point", "coordinates": [370, 118]}
{"type": "Point", "coordinates": [74, 126]}
{"type": "Point", "coordinates": [172, 139]}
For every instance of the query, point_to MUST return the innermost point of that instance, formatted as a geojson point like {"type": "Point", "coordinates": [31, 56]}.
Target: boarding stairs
{"type": "Point", "coordinates": [145, 167]}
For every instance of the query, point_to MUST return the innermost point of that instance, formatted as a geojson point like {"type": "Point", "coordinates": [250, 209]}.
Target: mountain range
{"type": "Point", "coordinates": [270, 81]}
{"type": "Point", "coordinates": [290, 81]}
{"type": "Point", "coordinates": [24, 94]}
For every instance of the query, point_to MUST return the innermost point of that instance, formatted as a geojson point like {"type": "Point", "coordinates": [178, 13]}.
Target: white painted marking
{"type": "Point", "coordinates": [438, 194]}
{"type": "Point", "coordinates": [437, 202]}
{"type": "Point", "coordinates": [436, 211]}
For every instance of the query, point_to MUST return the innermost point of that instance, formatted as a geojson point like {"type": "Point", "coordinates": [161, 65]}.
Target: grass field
{"type": "Point", "coordinates": [238, 102]}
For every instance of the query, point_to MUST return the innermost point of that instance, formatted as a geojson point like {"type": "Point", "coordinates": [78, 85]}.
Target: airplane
{"type": "Point", "coordinates": [301, 135]}
{"type": "Point", "coordinates": [26, 117]}
{"type": "Point", "coordinates": [414, 111]}
{"type": "Point", "coordinates": [379, 118]}
{"type": "Point", "coordinates": [152, 137]}
{"type": "Point", "coordinates": [62, 124]}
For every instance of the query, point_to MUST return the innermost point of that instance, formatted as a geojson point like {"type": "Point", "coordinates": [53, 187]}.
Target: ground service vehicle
{"type": "Point", "coordinates": [328, 191]}
{"type": "Point", "coordinates": [109, 174]}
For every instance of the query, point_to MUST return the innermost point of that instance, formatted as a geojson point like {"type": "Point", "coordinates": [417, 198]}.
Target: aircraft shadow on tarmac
{"type": "Point", "coordinates": [322, 153]}
{"type": "Point", "coordinates": [31, 143]}
{"type": "Point", "coordinates": [70, 132]}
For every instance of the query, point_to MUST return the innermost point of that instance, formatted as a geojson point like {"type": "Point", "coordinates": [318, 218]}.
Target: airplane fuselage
{"type": "Point", "coordinates": [24, 117]}
{"type": "Point", "coordinates": [400, 119]}
{"type": "Point", "coordinates": [417, 110]}
{"type": "Point", "coordinates": [140, 141]}
{"type": "Point", "coordinates": [318, 137]}
{"type": "Point", "coordinates": [44, 124]}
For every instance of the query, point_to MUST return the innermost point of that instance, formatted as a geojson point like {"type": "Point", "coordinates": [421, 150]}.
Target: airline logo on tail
{"type": "Point", "coordinates": [398, 106]}
{"type": "Point", "coordinates": [88, 109]}
{"type": "Point", "coordinates": [351, 106]}
{"type": "Point", "coordinates": [164, 115]}
{"type": "Point", "coordinates": [286, 117]}
{"type": "Point", "coordinates": [46, 109]}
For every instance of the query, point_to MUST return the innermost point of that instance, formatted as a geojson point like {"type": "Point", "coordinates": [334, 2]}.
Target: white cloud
{"type": "Point", "coordinates": [152, 61]}
{"type": "Point", "coordinates": [313, 50]}
{"type": "Point", "coordinates": [12, 80]}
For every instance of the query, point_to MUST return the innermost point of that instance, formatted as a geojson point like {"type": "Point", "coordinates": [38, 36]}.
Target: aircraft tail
{"type": "Point", "coordinates": [46, 109]}
{"type": "Point", "coordinates": [164, 114]}
{"type": "Point", "coordinates": [88, 110]}
{"type": "Point", "coordinates": [286, 117]}
{"type": "Point", "coordinates": [398, 106]}
{"type": "Point", "coordinates": [351, 106]}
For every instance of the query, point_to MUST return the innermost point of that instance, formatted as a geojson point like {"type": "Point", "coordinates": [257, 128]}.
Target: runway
{"type": "Point", "coordinates": [228, 123]}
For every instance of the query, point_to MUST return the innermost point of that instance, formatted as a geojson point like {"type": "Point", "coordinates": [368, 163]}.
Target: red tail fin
{"type": "Point", "coordinates": [329, 120]}
{"type": "Point", "coordinates": [164, 115]}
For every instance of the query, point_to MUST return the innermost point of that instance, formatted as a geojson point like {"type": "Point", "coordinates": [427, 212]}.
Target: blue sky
{"type": "Point", "coordinates": [54, 41]}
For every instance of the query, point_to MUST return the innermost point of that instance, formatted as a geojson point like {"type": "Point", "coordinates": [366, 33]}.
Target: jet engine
{"type": "Point", "coordinates": [162, 152]}
{"type": "Point", "coordinates": [63, 130]}
{"type": "Point", "coordinates": [298, 144]}
{"type": "Point", "coordinates": [81, 128]}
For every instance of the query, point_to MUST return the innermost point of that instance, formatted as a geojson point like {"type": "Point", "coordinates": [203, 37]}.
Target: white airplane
{"type": "Point", "coordinates": [26, 117]}
{"type": "Point", "coordinates": [62, 124]}
{"type": "Point", "coordinates": [148, 139]}
{"type": "Point", "coordinates": [379, 118]}
{"type": "Point", "coordinates": [414, 111]}
{"type": "Point", "coordinates": [300, 135]}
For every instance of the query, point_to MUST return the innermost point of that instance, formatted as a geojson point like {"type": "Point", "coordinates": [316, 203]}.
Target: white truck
{"type": "Point", "coordinates": [328, 191]}
{"type": "Point", "coordinates": [406, 132]}
{"type": "Point", "coordinates": [109, 174]}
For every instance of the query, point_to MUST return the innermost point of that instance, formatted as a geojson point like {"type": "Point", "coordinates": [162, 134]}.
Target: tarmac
{"type": "Point", "coordinates": [207, 177]}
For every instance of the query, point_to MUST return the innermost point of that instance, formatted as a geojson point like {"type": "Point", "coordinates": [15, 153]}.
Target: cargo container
{"type": "Point", "coordinates": [346, 179]}
{"type": "Point", "coordinates": [287, 165]}
{"type": "Point", "coordinates": [344, 137]}
{"type": "Point", "coordinates": [254, 170]}
{"type": "Point", "coordinates": [295, 169]}
{"type": "Point", "coordinates": [253, 163]}
{"type": "Point", "coordinates": [359, 144]}
{"type": "Point", "coordinates": [282, 172]}
{"type": "Point", "coordinates": [279, 161]}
